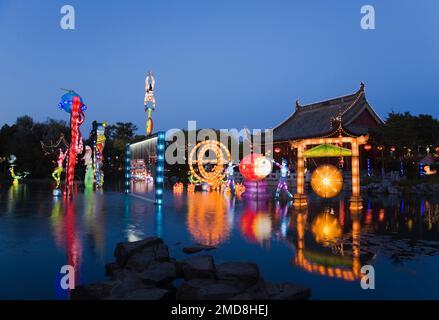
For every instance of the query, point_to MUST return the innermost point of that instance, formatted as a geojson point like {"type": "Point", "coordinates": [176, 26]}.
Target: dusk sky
{"type": "Point", "coordinates": [226, 64]}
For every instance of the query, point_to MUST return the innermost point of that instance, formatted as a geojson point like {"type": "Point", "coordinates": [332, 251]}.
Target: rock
{"type": "Point", "coordinates": [206, 289]}
{"type": "Point", "coordinates": [94, 291]}
{"type": "Point", "coordinates": [139, 261]}
{"type": "Point", "coordinates": [126, 249]}
{"type": "Point", "coordinates": [190, 250]}
{"type": "Point", "coordinates": [162, 273]}
{"type": "Point", "coordinates": [245, 274]}
{"type": "Point", "coordinates": [111, 269]}
{"type": "Point", "coordinates": [286, 291]}
{"type": "Point", "coordinates": [201, 266]}
{"type": "Point", "coordinates": [128, 284]}
{"type": "Point", "coordinates": [162, 253]}
{"type": "Point", "coordinates": [197, 248]}
{"type": "Point", "coordinates": [148, 294]}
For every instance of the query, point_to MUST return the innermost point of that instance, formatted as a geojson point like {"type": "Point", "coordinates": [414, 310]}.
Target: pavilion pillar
{"type": "Point", "coordinates": [355, 202]}
{"type": "Point", "coordinates": [300, 197]}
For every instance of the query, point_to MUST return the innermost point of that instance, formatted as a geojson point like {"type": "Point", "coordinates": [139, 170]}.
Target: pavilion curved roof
{"type": "Point", "coordinates": [314, 120]}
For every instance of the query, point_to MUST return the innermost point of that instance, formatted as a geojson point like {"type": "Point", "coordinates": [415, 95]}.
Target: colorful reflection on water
{"type": "Point", "coordinates": [323, 246]}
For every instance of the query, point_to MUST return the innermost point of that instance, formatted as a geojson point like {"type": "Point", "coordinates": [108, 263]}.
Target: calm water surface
{"type": "Point", "coordinates": [322, 247]}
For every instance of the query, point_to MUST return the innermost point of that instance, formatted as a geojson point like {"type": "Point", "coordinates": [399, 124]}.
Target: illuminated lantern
{"type": "Point", "coordinates": [213, 176]}
{"type": "Point", "coordinates": [277, 149]}
{"type": "Point", "coordinates": [326, 181]}
{"type": "Point", "coordinates": [66, 102]}
{"type": "Point", "coordinates": [255, 167]}
{"type": "Point", "coordinates": [380, 148]}
{"type": "Point", "coordinates": [367, 147]}
{"type": "Point", "coordinates": [392, 149]}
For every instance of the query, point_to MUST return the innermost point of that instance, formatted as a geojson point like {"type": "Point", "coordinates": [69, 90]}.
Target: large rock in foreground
{"type": "Point", "coordinates": [143, 270]}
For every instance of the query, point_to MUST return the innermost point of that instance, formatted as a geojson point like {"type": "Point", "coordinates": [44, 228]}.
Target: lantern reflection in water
{"type": "Point", "coordinates": [335, 264]}
{"type": "Point", "coordinates": [256, 224]}
{"type": "Point", "coordinates": [326, 228]}
{"type": "Point", "coordinates": [207, 219]}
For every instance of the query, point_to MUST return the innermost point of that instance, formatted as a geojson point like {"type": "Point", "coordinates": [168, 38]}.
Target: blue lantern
{"type": "Point", "coordinates": [67, 101]}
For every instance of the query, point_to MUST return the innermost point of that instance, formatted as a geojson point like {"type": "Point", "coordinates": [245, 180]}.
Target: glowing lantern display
{"type": "Point", "coordinates": [255, 167]}
{"type": "Point", "coordinates": [178, 187]}
{"type": "Point", "coordinates": [277, 149]}
{"type": "Point", "coordinates": [215, 175]}
{"type": "Point", "coordinates": [367, 147]}
{"type": "Point", "coordinates": [326, 181]}
{"type": "Point", "coordinates": [326, 228]}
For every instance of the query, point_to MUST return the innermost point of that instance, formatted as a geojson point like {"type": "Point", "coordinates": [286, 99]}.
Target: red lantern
{"type": "Point", "coordinates": [367, 147]}
{"type": "Point", "coordinates": [255, 167]}
{"type": "Point", "coordinates": [392, 149]}
{"type": "Point", "coordinates": [277, 149]}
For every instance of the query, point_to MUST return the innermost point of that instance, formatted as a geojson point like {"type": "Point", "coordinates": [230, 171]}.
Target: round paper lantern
{"type": "Point", "coordinates": [326, 181]}
{"type": "Point", "coordinates": [255, 167]}
{"type": "Point", "coordinates": [67, 101]}
{"type": "Point", "coordinates": [367, 147]}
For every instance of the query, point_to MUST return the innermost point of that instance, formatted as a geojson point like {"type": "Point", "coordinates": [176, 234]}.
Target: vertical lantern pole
{"type": "Point", "coordinates": [355, 201]}
{"type": "Point", "coordinates": [160, 168]}
{"type": "Point", "coordinates": [127, 168]}
{"type": "Point", "coordinates": [300, 197]}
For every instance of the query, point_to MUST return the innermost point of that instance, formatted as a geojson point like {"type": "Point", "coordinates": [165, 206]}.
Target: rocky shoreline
{"type": "Point", "coordinates": [143, 270]}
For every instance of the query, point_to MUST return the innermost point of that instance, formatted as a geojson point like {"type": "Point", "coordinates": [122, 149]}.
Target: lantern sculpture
{"type": "Point", "coordinates": [99, 144]}
{"type": "Point", "coordinates": [56, 174]}
{"type": "Point", "coordinates": [327, 181]}
{"type": "Point", "coordinates": [282, 184]}
{"type": "Point", "coordinates": [254, 168]}
{"type": "Point", "coordinates": [149, 101]}
{"type": "Point", "coordinates": [72, 103]}
{"type": "Point", "coordinates": [88, 162]}
{"type": "Point", "coordinates": [230, 176]}
{"type": "Point", "coordinates": [16, 177]}
{"type": "Point", "coordinates": [208, 170]}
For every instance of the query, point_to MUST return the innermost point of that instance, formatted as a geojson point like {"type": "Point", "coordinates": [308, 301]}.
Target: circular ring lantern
{"type": "Point", "coordinates": [197, 168]}
{"type": "Point", "coordinates": [255, 167]}
{"type": "Point", "coordinates": [327, 181]}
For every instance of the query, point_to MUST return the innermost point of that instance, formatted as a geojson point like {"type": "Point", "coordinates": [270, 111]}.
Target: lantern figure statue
{"type": "Point", "coordinates": [99, 144]}
{"type": "Point", "coordinates": [149, 101]}
{"type": "Point", "coordinates": [230, 177]}
{"type": "Point", "coordinates": [282, 184]}
{"type": "Point", "coordinates": [56, 174]}
{"type": "Point", "coordinates": [72, 103]}
{"type": "Point", "coordinates": [88, 162]}
{"type": "Point", "coordinates": [16, 177]}
{"type": "Point", "coordinates": [327, 181]}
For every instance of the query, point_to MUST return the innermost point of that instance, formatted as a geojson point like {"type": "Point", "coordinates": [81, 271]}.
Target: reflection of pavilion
{"type": "Point", "coordinates": [337, 266]}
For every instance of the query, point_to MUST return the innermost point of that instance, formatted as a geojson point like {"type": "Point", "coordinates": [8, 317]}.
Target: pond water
{"type": "Point", "coordinates": [322, 247]}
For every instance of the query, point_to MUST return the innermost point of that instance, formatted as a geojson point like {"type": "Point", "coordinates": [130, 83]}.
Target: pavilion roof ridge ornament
{"type": "Point", "coordinates": [297, 104]}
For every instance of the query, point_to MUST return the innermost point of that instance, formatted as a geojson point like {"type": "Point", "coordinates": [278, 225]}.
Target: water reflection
{"type": "Point", "coordinates": [207, 217]}
{"type": "Point", "coordinates": [256, 223]}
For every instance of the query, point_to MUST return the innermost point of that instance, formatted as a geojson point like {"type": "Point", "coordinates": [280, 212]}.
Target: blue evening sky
{"type": "Point", "coordinates": [226, 64]}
